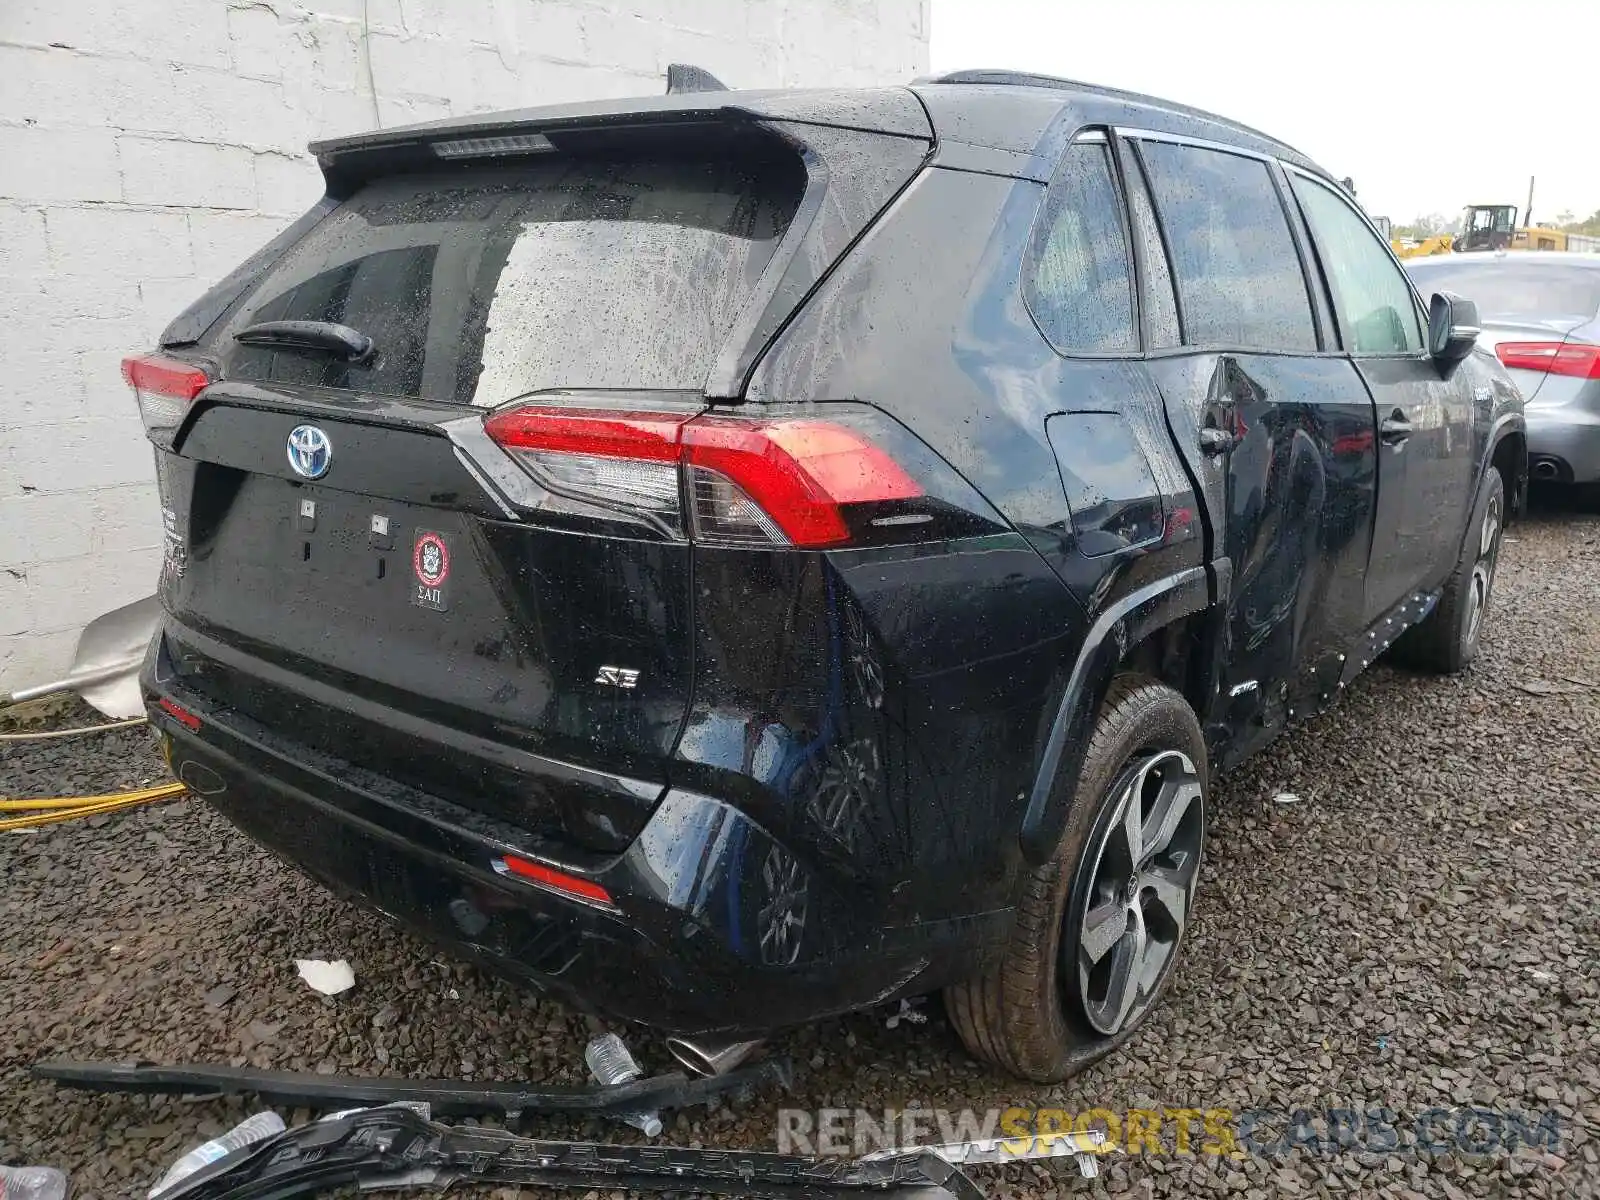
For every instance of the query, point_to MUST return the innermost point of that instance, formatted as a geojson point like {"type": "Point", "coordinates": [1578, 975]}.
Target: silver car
{"type": "Point", "coordinates": [1541, 316]}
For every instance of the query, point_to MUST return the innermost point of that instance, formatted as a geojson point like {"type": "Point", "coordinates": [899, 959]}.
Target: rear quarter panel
{"type": "Point", "coordinates": [926, 320]}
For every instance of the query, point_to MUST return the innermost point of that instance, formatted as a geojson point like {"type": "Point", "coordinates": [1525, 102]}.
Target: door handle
{"type": "Point", "coordinates": [1214, 441]}
{"type": "Point", "coordinates": [1395, 428]}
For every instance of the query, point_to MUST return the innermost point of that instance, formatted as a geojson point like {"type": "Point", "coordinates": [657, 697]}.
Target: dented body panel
{"type": "Point", "coordinates": [767, 781]}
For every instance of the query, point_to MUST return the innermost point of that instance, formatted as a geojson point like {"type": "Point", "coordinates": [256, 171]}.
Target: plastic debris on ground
{"type": "Point", "coordinates": [32, 1183]}
{"type": "Point", "coordinates": [1286, 798]}
{"type": "Point", "coordinates": [610, 1063]}
{"type": "Point", "coordinates": [907, 1013]}
{"type": "Point", "coordinates": [248, 1132]}
{"type": "Point", "coordinates": [329, 978]}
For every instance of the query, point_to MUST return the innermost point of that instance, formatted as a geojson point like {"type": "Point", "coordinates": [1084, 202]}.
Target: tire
{"type": "Point", "coordinates": [1447, 639]}
{"type": "Point", "coordinates": [1029, 1016]}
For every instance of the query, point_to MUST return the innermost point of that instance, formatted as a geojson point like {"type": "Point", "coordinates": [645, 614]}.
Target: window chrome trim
{"type": "Point", "coordinates": [1184, 139]}
{"type": "Point", "coordinates": [1350, 203]}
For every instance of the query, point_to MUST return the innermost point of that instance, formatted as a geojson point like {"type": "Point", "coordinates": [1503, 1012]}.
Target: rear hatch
{"type": "Point", "coordinates": [353, 562]}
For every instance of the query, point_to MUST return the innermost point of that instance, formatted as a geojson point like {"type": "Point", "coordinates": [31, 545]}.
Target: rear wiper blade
{"type": "Point", "coordinates": [327, 336]}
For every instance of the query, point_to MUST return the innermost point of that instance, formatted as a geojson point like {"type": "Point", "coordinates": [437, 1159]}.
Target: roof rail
{"type": "Point", "coordinates": [686, 77]}
{"type": "Point", "coordinates": [1029, 79]}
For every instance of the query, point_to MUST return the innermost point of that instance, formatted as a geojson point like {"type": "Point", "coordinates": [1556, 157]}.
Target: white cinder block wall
{"type": "Point", "coordinates": [146, 148]}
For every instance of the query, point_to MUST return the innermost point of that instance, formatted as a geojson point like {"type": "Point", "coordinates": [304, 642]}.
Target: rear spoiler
{"type": "Point", "coordinates": [894, 111]}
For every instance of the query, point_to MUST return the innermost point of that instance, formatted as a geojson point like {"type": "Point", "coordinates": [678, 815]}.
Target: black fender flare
{"type": "Point", "coordinates": [1505, 425]}
{"type": "Point", "coordinates": [1123, 623]}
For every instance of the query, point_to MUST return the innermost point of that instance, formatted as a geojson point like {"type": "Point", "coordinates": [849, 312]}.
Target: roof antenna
{"type": "Point", "coordinates": [686, 77]}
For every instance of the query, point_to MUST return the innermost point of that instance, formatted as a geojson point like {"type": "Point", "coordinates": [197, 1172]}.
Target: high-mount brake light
{"type": "Point", "coordinates": [749, 481]}
{"type": "Point", "coordinates": [164, 388]}
{"type": "Point", "coordinates": [491, 147]}
{"type": "Point", "coordinates": [1552, 358]}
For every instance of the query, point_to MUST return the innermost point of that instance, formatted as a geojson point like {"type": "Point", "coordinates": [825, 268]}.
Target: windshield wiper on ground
{"type": "Point", "coordinates": [328, 337]}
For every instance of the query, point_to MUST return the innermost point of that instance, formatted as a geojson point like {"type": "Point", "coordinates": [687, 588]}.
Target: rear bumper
{"type": "Point", "coordinates": [705, 902]}
{"type": "Point", "coordinates": [1569, 435]}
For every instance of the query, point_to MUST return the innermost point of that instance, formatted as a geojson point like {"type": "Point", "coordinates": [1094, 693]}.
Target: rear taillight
{"type": "Point", "coordinates": [1552, 358]}
{"type": "Point", "coordinates": [164, 387]}
{"type": "Point", "coordinates": [730, 480]}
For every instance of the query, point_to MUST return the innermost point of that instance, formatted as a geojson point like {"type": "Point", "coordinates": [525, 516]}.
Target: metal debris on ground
{"type": "Point", "coordinates": [397, 1147]}
{"type": "Point", "coordinates": [105, 666]}
{"type": "Point", "coordinates": [446, 1097]}
{"type": "Point", "coordinates": [1286, 798]}
{"type": "Point", "coordinates": [329, 978]}
{"type": "Point", "coordinates": [1083, 1145]}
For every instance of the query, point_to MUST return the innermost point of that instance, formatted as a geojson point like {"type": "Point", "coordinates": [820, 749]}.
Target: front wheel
{"type": "Point", "coordinates": [1447, 641]}
{"type": "Point", "coordinates": [1099, 926]}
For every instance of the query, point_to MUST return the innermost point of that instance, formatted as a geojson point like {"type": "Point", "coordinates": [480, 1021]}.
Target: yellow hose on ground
{"type": "Point", "coordinates": [48, 811]}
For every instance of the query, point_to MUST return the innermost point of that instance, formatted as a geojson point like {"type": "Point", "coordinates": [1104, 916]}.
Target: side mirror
{"type": "Point", "coordinates": [1452, 328]}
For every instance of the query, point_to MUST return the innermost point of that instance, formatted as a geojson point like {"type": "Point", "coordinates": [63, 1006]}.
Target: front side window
{"type": "Point", "coordinates": [1376, 310]}
{"type": "Point", "coordinates": [1080, 283]}
{"type": "Point", "coordinates": [1239, 277]}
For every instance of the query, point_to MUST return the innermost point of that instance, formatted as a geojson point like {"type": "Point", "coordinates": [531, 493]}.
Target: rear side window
{"type": "Point", "coordinates": [1161, 303]}
{"type": "Point", "coordinates": [482, 285]}
{"type": "Point", "coordinates": [1376, 309]}
{"type": "Point", "coordinates": [1079, 283]}
{"type": "Point", "coordinates": [1239, 277]}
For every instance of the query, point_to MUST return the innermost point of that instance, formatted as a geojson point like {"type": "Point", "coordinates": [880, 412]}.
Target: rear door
{"type": "Point", "coordinates": [1426, 459]}
{"type": "Point", "coordinates": [1278, 431]}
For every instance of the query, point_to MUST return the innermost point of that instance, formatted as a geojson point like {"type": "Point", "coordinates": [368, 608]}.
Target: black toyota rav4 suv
{"type": "Point", "coordinates": [732, 558]}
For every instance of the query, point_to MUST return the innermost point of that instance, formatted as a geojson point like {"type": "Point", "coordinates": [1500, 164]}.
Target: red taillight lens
{"type": "Point", "coordinates": [651, 437]}
{"type": "Point", "coordinates": [750, 481]}
{"type": "Point", "coordinates": [611, 458]}
{"type": "Point", "coordinates": [799, 474]}
{"type": "Point", "coordinates": [1553, 358]}
{"type": "Point", "coordinates": [540, 875]}
{"type": "Point", "coordinates": [164, 388]}
{"type": "Point", "coordinates": [178, 713]}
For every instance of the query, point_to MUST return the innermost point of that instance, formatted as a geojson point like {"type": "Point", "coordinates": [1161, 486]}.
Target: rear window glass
{"type": "Point", "coordinates": [481, 286]}
{"type": "Point", "coordinates": [1510, 287]}
{"type": "Point", "coordinates": [1239, 276]}
{"type": "Point", "coordinates": [1080, 286]}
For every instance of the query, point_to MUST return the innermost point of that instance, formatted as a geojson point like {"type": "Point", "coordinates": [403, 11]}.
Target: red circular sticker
{"type": "Point", "coordinates": [431, 560]}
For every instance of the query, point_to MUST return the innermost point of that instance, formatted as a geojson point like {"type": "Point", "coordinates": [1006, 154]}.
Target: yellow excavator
{"type": "Point", "coordinates": [1493, 227]}
{"type": "Point", "coordinates": [1438, 243]}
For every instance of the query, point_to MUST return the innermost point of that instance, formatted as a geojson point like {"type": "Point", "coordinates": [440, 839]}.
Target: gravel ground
{"type": "Point", "coordinates": [1419, 931]}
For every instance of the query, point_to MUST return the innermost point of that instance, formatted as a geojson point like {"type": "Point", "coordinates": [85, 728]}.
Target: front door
{"type": "Point", "coordinates": [1425, 422]}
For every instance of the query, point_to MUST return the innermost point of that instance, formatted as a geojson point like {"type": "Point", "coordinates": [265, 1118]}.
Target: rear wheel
{"type": "Point", "coordinates": [1099, 927]}
{"type": "Point", "coordinates": [1448, 639]}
